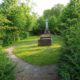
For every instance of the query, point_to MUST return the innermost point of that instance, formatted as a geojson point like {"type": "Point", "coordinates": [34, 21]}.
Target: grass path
{"type": "Point", "coordinates": [25, 71]}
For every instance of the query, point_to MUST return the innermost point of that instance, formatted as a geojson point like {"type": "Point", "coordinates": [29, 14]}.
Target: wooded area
{"type": "Point", "coordinates": [18, 22]}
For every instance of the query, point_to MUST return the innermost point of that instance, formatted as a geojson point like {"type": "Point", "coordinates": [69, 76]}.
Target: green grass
{"type": "Point", "coordinates": [7, 71]}
{"type": "Point", "coordinates": [30, 52]}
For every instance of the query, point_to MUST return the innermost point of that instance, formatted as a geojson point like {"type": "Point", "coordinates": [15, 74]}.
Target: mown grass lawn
{"type": "Point", "coordinates": [29, 51]}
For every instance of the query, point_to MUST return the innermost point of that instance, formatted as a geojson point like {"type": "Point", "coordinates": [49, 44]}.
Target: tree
{"type": "Point", "coordinates": [41, 24]}
{"type": "Point", "coordinates": [54, 11]}
{"type": "Point", "coordinates": [47, 13]}
{"type": "Point", "coordinates": [57, 10]}
{"type": "Point", "coordinates": [7, 6]}
{"type": "Point", "coordinates": [53, 15]}
{"type": "Point", "coordinates": [71, 14]}
{"type": "Point", "coordinates": [69, 63]}
{"type": "Point", "coordinates": [54, 25]}
{"type": "Point", "coordinates": [21, 20]}
{"type": "Point", "coordinates": [7, 32]}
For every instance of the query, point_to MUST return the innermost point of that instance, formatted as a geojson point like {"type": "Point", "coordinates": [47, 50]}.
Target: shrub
{"type": "Point", "coordinates": [69, 64]}
{"type": "Point", "coordinates": [6, 67]}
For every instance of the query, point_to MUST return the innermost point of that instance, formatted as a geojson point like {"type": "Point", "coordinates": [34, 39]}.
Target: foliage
{"type": "Point", "coordinates": [54, 24]}
{"type": "Point", "coordinates": [69, 64]}
{"type": "Point", "coordinates": [6, 67]}
{"type": "Point", "coordinates": [7, 6]}
{"type": "Point", "coordinates": [53, 16]}
{"type": "Point", "coordinates": [70, 15]}
{"type": "Point", "coordinates": [16, 20]}
{"type": "Point", "coordinates": [41, 24]}
{"type": "Point", "coordinates": [54, 11]}
{"type": "Point", "coordinates": [7, 32]}
{"type": "Point", "coordinates": [69, 67]}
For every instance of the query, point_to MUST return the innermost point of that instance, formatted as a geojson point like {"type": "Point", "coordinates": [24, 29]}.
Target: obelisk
{"type": "Point", "coordinates": [46, 28]}
{"type": "Point", "coordinates": [45, 39]}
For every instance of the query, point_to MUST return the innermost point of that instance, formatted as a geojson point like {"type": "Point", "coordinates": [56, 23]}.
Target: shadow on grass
{"type": "Point", "coordinates": [34, 54]}
{"type": "Point", "coordinates": [41, 57]}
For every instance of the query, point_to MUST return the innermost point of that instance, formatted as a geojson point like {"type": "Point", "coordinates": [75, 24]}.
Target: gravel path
{"type": "Point", "coordinates": [25, 71]}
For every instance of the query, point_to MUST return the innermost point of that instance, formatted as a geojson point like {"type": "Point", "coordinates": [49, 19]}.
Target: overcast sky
{"type": "Point", "coordinates": [41, 5]}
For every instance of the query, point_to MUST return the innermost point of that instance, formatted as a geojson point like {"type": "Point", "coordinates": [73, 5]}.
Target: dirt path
{"type": "Point", "coordinates": [25, 71]}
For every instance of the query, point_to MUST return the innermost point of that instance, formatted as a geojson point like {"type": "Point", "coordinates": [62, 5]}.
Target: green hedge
{"type": "Point", "coordinates": [69, 64]}
{"type": "Point", "coordinates": [6, 67]}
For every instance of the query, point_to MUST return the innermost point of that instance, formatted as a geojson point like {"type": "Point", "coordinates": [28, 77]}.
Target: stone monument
{"type": "Point", "coordinates": [45, 39]}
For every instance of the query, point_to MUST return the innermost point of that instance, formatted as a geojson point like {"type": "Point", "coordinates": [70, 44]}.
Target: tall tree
{"type": "Point", "coordinates": [7, 6]}
{"type": "Point", "coordinates": [71, 14]}
{"type": "Point", "coordinates": [53, 15]}
{"type": "Point", "coordinates": [70, 59]}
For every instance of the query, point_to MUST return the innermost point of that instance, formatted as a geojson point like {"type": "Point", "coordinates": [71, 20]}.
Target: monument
{"type": "Point", "coordinates": [45, 39]}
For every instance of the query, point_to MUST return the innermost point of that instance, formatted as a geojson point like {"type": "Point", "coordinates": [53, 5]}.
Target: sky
{"type": "Point", "coordinates": [41, 5]}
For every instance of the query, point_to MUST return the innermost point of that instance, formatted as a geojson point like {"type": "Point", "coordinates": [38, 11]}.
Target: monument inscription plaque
{"type": "Point", "coordinates": [45, 39]}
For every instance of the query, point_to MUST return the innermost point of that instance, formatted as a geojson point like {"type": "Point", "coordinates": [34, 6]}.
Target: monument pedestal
{"type": "Point", "coordinates": [45, 40]}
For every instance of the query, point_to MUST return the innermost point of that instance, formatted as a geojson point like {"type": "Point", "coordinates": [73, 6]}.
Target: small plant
{"type": "Point", "coordinates": [6, 67]}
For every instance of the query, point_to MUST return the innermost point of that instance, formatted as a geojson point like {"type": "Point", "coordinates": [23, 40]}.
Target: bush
{"type": "Point", "coordinates": [10, 37]}
{"type": "Point", "coordinates": [69, 64]}
{"type": "Point", "coordinates": [6, 67]}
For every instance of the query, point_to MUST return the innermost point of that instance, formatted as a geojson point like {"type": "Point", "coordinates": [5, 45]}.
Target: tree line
{"type": "Point", "coordinates": [16, 21]}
